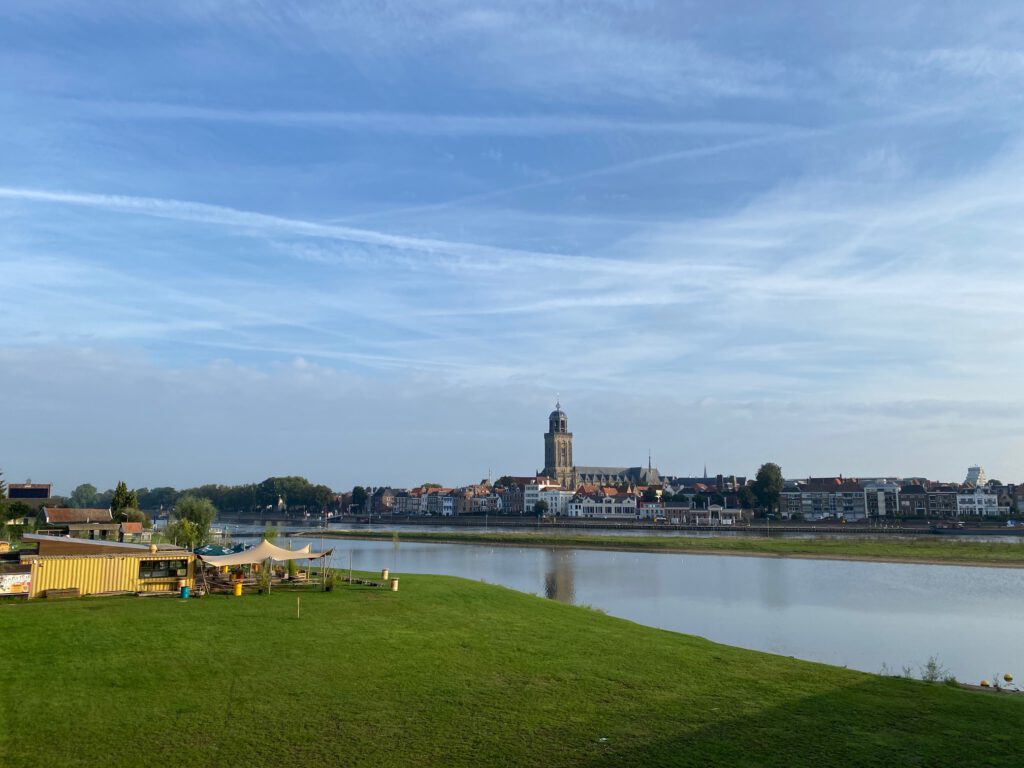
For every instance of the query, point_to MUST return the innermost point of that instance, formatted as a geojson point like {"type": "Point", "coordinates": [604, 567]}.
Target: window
{"type": "Point", "coordinates": [162, 569]}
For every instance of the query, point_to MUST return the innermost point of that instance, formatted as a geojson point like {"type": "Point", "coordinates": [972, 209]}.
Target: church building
{"type": "Point", "coordinates": [558, 461]}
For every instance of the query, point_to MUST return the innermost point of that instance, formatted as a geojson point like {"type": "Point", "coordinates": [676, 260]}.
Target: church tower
{"type": "Point", "coordinates": [558, 449]}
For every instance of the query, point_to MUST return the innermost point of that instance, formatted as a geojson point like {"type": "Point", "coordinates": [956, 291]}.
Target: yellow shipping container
{"type": "Point", "coordinates": [98, 574]}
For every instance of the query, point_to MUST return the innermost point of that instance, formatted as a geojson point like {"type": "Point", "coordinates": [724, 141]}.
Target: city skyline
{"type": "Point", "coordinates": [370, 246]}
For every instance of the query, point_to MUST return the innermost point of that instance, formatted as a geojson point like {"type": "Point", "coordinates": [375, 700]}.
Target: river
{"type": "Point", "coordinates": [860, 615]}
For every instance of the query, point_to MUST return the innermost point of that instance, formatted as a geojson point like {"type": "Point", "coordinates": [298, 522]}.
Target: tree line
{"type": "Point", "coordinates": [295, 492]}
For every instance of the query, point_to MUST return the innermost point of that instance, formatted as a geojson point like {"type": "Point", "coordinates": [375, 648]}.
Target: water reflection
{"type": "Point", "coordinates": [559, 575]}
{"type": "Point", "coordinates": [771, 583]}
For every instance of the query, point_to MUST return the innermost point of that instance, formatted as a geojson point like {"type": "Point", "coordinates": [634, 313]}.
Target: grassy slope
{"type": "Point", "coordinates": [447, 672]}
{"type": "Point", "coordinates": [931, 549]}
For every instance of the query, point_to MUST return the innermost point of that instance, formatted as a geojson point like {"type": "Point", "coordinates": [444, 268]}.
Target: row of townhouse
{"type": "Point", "coordinates": [836, 497]}
{"type": "Point", "coordinates": [416, 501]}
{"type": "Point", "coordinates": [447, 502]}
{"type": "Point", "coordinates": [619, 503]}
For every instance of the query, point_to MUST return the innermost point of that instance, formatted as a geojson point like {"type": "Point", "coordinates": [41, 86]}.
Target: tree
{"type": "Point", "coordinates": [506, 481]}
{"type": "Point", "coordinates": [194, 516]}
{"type": "Point", "coordinates": [747, 498]}
{"type": "Point", "coordinates": [768, 485]}
{"type": "Point", "coordinates": [270, 534]}
{"type": "Point", "coordinates": [84, 496]}
{"type": "Point", "coordinates": [123, 502]}
{"type": "Point", "coordinates": [184, 533]}
{"type": "Point", "coordinates": [137, 516]}
{"type": "Point", "coordinates": [358, 497]}
{"type": "Point", "coordinates": [157, 498]}
{"type": "Point", "coordinates": [650, 494]}
{"type": "Point", "coordinates": [540, 508]}
{"type": "Point", "coordinates": [700, 501]}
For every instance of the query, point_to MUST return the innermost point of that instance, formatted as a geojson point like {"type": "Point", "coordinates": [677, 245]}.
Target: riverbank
{"type": "Point", "coordinates": [933, 551]}
{"type": "Point", "coordinates": [448, 672]}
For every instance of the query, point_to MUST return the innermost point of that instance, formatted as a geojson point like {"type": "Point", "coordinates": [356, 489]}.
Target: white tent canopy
{"type": "Point", "coordinates": [263, 551]}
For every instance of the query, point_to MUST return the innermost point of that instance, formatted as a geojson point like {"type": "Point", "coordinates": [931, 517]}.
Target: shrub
{"type": "Point", "coordinates": [933, 671]}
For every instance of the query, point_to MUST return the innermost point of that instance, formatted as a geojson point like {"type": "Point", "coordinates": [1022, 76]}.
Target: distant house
{"type": "Point", "coordinates": [28, 491]}
{"type": "Point", "coordinates": [819, 498]}
{"type": "Point", "coordinates": [716, 514]}
{"type": "Point", "coordinates": [36, 495]}
{"type": "Point", "coordinates": [913, 500]}
{"type": "Point", "coordinates": [604, 503]}
{"type": "Point", "coordinates": [977, 502]}
{"type": "Point", "coordinates": [134, 532]}
{"type": "Point", "coordinates": [82, 523]}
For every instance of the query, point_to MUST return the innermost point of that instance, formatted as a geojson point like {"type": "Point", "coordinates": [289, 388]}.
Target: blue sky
{"type": "Point", "coordinates": [370, 242]}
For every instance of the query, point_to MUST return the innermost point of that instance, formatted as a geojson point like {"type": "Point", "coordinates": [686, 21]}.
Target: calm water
{"type": "Point", "coordinates": [860, 615]}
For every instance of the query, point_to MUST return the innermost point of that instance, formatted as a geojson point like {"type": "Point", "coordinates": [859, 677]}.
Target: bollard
{"type": "Point", "coordinates": [394, 585]}
{"type": "Point", "coordinates": [384, 574]}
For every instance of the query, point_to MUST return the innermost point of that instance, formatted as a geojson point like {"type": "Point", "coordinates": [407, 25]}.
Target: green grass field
{"type": "Point", "coordinates": [447, 672]}
{"type": "Point", "coordinates": [931, 549]}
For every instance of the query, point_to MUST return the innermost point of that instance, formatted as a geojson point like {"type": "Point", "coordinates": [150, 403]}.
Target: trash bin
{"type": "Point", "coordinates": [394, 585]}
{"type": "Point", "coordinates": [184, 592]}
{"type": "Point", "coordinates": [384, 574]}
{"type": "Point", "coordinates": [238, 589]}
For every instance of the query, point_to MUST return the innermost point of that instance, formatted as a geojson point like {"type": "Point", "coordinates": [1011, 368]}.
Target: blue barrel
{"type": "Point", "coordinates": [184, 593]}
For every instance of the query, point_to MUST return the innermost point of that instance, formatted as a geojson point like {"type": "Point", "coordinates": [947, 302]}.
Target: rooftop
{"type": "Point", "coordinates": [37, 537]}
{"type": "Point", "coordinates": [64, 515]}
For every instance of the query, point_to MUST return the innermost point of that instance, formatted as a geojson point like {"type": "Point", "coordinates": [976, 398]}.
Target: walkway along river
{"type": "Point", "coordinates": [855, 614]}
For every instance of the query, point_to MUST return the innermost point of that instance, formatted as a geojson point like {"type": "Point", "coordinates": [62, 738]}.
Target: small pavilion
{"type": "Point", "coordinates": [260, 554]}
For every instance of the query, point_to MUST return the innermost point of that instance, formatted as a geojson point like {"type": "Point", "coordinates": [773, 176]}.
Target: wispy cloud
{"type": "Point", "coordinates": [422, 123]}
{"type": "Point", "coordinates": [768, 225]}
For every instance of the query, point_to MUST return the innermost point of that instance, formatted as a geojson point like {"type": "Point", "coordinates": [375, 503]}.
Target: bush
{"type": "Point", "coordinates": [934, 672]}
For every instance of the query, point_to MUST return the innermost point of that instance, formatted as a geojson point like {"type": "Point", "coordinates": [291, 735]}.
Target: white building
{"type": "Point", "coordinates": [557, 500]}
{"type": "Point", "coordinates": [977, 501]}
{"type": "Point", "coordinates": [604, 506]}
{"type": "Point", "coordinates": [976, 477]}
{"type": "Point", "coordinates": [532, 494]}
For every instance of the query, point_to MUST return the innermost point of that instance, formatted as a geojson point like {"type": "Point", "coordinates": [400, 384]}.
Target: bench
{"type": "Point", "coordinates": [65, 592]}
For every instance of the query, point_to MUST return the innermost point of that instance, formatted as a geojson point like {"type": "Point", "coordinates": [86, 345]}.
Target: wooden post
{"type": "Point", "coordinates": [298, 608]}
